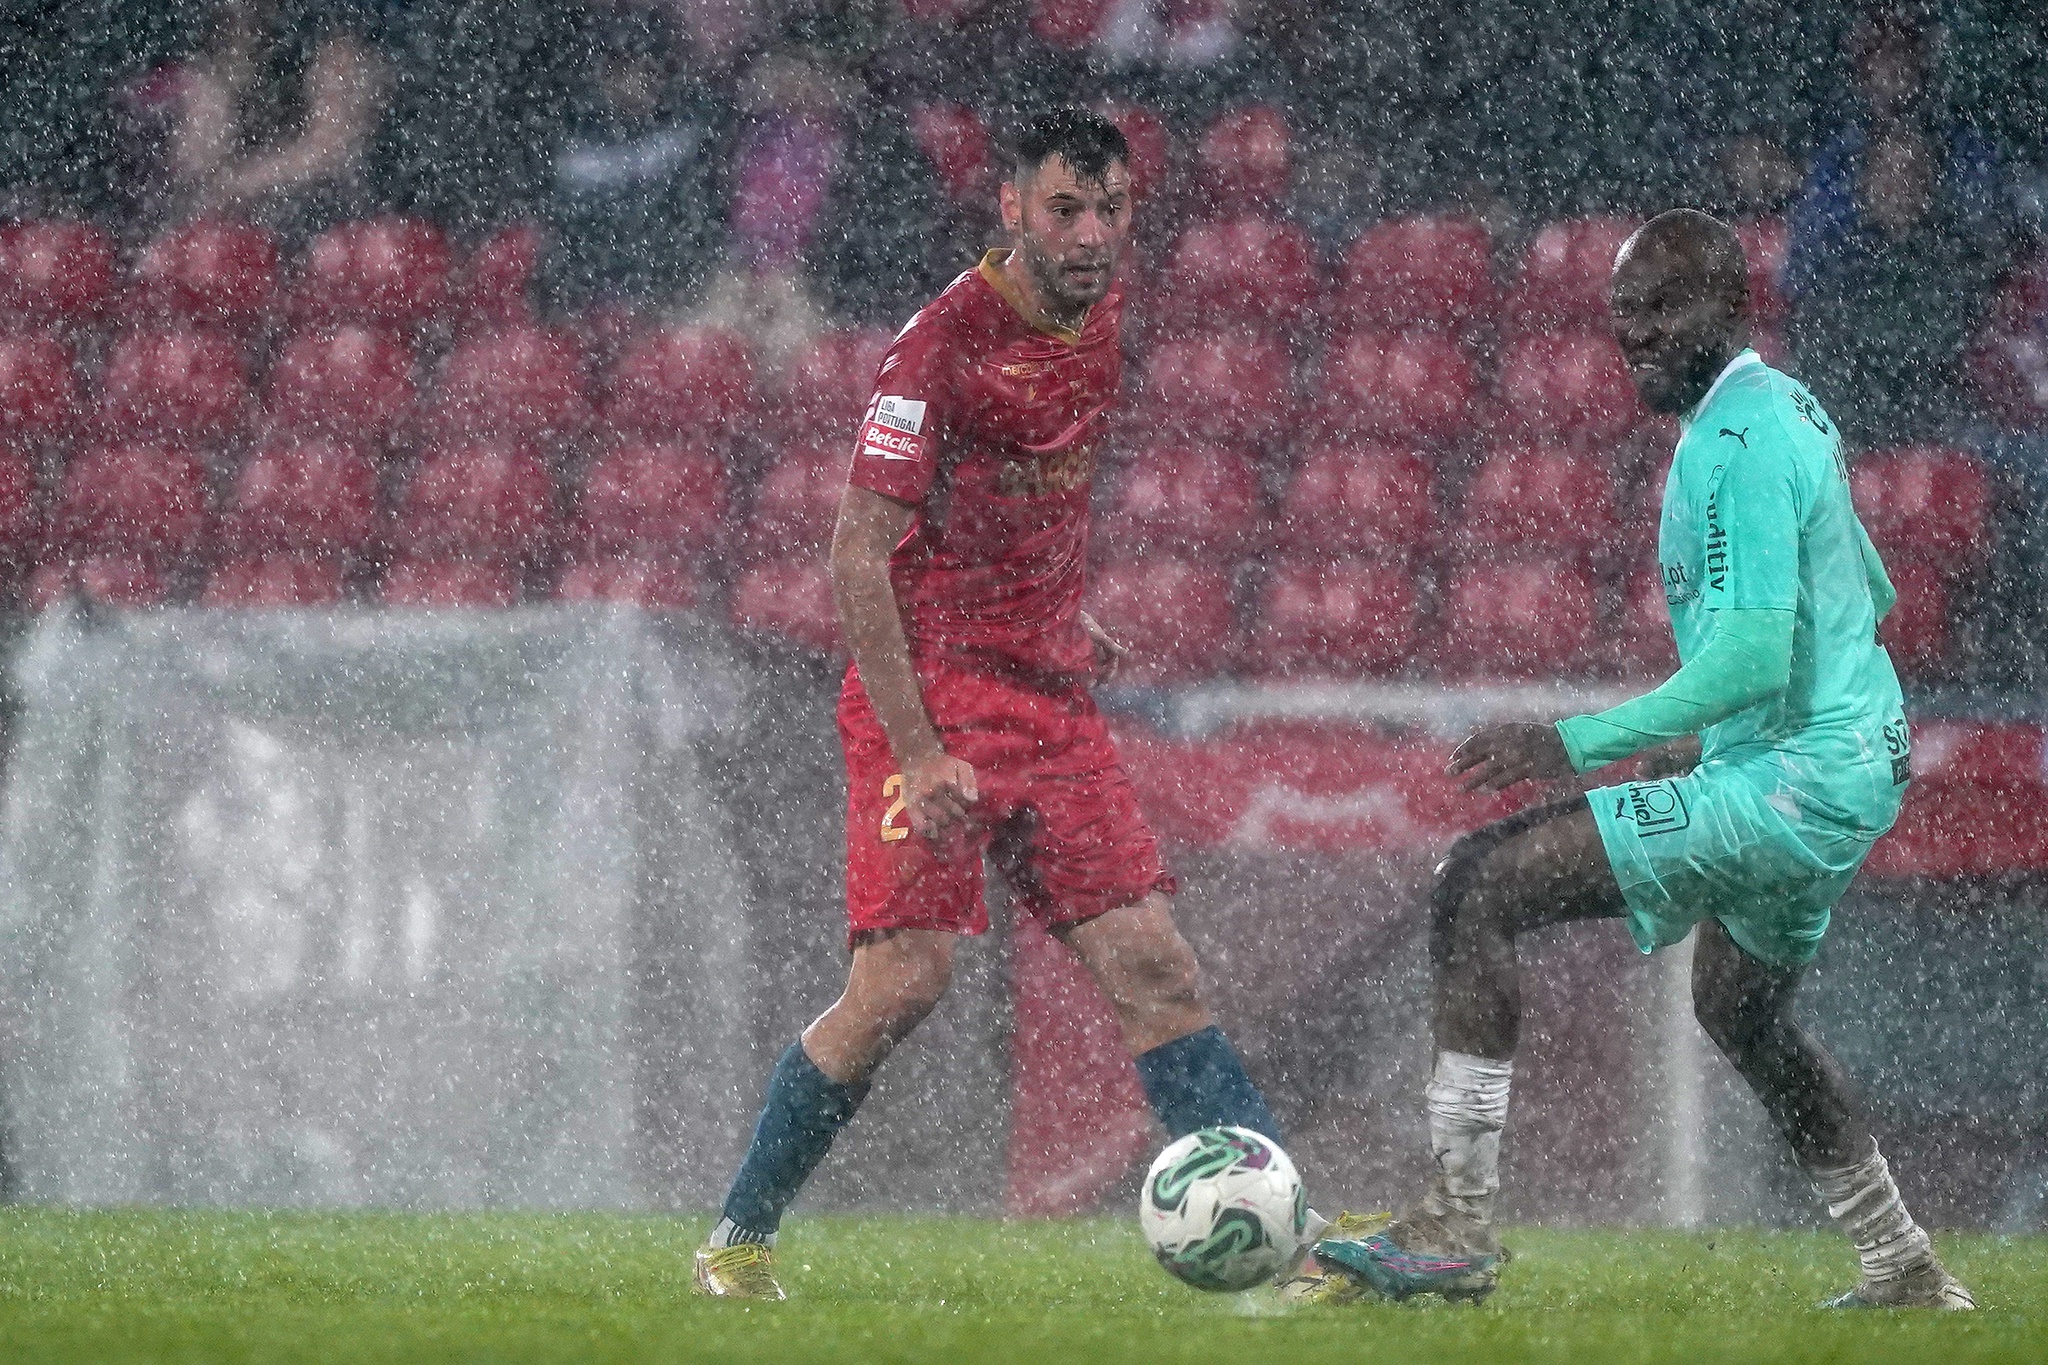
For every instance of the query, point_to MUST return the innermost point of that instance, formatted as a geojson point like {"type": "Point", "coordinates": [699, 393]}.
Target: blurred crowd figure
{"type": "Point", "coordinates": [784, 166]}
{"type": "Point", "coordinates": [678, 129]}
{"type": "Point", "coordinates": [1896, 238]}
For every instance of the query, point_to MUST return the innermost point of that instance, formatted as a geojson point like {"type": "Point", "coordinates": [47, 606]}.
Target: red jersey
{"type": "Point", "coordinates": [990, 423]}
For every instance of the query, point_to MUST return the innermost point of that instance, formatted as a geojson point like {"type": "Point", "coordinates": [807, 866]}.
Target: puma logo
{"type": "Point", "coordinates": [1742, 435]}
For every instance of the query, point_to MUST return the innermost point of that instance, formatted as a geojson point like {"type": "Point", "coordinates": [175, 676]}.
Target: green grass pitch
{"type": "Point", "coordinates": [124, 1286]}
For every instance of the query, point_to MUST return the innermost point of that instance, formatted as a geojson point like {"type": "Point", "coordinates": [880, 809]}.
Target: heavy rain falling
{"type": "Point", "coordinates": [1360, 610]}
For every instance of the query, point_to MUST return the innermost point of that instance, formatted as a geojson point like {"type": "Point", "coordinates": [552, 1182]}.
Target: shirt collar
{"type": "Point", "coordinates": [1742, 360]}
{"type": "Point", "coordinates": [991, 270]}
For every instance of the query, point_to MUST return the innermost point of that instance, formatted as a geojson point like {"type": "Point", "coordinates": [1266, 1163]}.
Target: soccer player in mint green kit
{"type": "Point", "coordinates": [1775, 594]}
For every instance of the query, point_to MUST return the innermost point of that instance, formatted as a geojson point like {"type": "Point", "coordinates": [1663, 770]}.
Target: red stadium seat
{"type": "Point", "coordinates": [181, 384]}
{"type": "Point", "coordinates": [416, 581]}
{"type": "Point", "coordinates": [1175, 615]}
{"type": "Point", "coordinates": [953, 139]}
{"type": "Point", "coordinates": [654, 584]}
{"type": "Point", "coordinates": [19, 520]}
{"type": "Point", "coordinates": [647, 496]}
{"type": "Point", "coordinates": [1518, 618]}
{"type": "Point", "coordinates": [275, 581]}
{"type": "Point", "coordinates": [210, 271]}
{"type": "Point", "coordinates": [1341, 616]}
{"type": "Point", "coordinates": [519, 384]}
{"type": "Point", "coordinates": [1067, 24]}
{"type": "Point", "coordinates": [114, 580]}
{"type": "Point", "coordinates": [1564, 277]}
{"type": "Point", "coordinates": [495, 501]}
{"type": "Point", "coordinates": [390, 271]}
{"type": "Point", "coordinates": [1345, 499]}
{"type": "Point", "coordinates": [1916, 632]}
{"type": "Point", "coordinates": [1925, 502]}
{"type": "Point", "coordinates": [492, 291]}
{"type": "Point", "coordinates": [1418, 272]}
{"type": "Point", "coordinates": [1200, 499]}
{"type": "Point", "coordinates": [1643, 644]}
{"type": "Point", "coordinates": [693, 384]}
{"type": "Point", "coordinates": [829, 383]}
{"type": "Point", "coordinates": [791, 598]}
{"type": "Point", "coordinates": [797, 502]}
{"type": "Point", "coordinates": [1568, 387]}
{"type": "Point", "coordinates": [1251, 269]}
{"type": "Point", "coordinates": [1415, 385]}
{"type": "Point", "coordinates": [133, 498]}
{"type": "Point", "coordinates": [1244, 159]}
{"type": "Point", "coordinates": [1230, 389]}
{"type": "Point", "coordinates": [1542, 497]}
{"type": "Point", "coordinates": [351, 382]}
{"type": "Point", "coordinates": [301, 494]}
{"type": "Point", "coordinates": [54, 270]}
{"type": "Point", "coordinates": [1151, 145]}
{"type": "Point", "coordinates": [1766, 242]}
{"type": "Point", "coordinates": [38, 388]}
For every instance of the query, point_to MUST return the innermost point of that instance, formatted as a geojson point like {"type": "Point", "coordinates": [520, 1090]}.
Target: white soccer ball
{"type": "Point", "coordinates": [1224, 1209]}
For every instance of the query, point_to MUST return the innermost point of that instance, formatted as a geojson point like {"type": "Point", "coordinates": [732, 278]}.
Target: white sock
{"type": "Point", "coordinates": [727, 1232]}
{"type": "Point", "coordinates": [1468, 1107]}
{"type": "Point", "coordinates": [1865, 1203]}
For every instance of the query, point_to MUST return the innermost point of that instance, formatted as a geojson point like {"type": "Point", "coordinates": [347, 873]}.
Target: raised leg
{"type": "Point", "coordinates": [1537, 867]}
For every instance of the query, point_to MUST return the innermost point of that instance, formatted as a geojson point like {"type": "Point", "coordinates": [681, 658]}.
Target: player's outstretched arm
{"type": "Point", "coordinates": [938, 789]}
{"type": "Point", "coordinates": [1748, 658]}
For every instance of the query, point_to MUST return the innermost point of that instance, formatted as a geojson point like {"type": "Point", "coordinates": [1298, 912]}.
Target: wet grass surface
{"type": "Point", "coordinates": [123, 1286]}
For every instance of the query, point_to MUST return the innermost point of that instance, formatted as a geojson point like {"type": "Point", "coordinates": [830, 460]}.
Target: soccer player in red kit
{"type": "Point", "coordinates": [957, 566]}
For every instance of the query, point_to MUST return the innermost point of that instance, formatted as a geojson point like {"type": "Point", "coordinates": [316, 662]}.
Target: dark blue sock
{"type": "Point", "coordinates": [1199, 1082]}
{"type": "Point", "coordinates": [804, 1111]}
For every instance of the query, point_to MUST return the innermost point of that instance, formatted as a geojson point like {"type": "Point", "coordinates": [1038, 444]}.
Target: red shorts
{"type": "Point", "coordinates": [1056, 811]}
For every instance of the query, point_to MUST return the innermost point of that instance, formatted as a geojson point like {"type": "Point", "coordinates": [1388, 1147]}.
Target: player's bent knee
{"type": "Point", "coordinates": [1455, 893]}
{"type": "Point", "coordinates": [918, 993]}
{"type": "Point", "coordinates": [1733, 1023]}
{"type": "Point", "coordinates": [899, 992]}
{"type": "Point", "coordinates": [1162, 972]}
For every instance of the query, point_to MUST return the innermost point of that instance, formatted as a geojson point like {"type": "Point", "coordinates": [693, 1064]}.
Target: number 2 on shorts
{"type": "Point", "coordinates": [891, 831]}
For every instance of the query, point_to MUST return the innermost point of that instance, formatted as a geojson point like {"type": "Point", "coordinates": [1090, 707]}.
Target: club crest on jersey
{"type": "Point", "coordinates": [1652, 807]}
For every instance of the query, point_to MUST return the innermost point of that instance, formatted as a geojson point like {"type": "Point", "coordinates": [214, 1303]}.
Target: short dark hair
{"type": "Point", "coordinates": [1082, 138]}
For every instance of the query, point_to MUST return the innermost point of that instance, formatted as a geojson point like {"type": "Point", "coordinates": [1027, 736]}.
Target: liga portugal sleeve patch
{"type": "Point", "coordinates": [894, 429]}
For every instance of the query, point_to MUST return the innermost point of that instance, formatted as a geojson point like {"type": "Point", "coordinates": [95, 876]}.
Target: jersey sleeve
{"type": "Point", "coordinates": [1752, 520]}
{"type": "Point", "coordinates": [898, 451]}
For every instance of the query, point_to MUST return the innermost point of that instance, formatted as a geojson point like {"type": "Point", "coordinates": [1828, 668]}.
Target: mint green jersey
{"type": "Point", "coordinates": [1757, 515]}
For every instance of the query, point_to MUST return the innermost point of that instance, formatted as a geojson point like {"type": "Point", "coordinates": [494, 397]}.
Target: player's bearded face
{"type": "Point", "coordinates": [1071, 231]}
{"type": "Point", "coordinates": [1674, 334]}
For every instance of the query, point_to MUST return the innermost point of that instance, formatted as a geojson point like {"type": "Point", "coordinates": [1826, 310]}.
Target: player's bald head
{"type": "Point", "coordinates": [1680, 297]}
{"type": "Point", "coordinates": [1690, 248]}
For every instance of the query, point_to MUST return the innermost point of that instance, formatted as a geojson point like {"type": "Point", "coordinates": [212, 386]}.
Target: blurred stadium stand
{"type": "Point", "coordinates": [1434, 389]}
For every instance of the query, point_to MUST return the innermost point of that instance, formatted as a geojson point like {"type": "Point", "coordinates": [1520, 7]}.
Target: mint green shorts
{"type": "Point", "coordinates": [1726, 842]}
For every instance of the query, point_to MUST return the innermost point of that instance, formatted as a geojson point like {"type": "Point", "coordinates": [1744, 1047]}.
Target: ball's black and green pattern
{"type": "Point", "coordinates": [1224, 1209]}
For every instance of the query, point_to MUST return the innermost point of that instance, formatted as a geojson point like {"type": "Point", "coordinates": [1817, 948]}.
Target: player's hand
{"type": "Point", "coordinates": [1498, 757]}
{"type": "Point", "coordinates": [1109, 655]}
{"type": "Point", "coordinates": [938, 792]}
